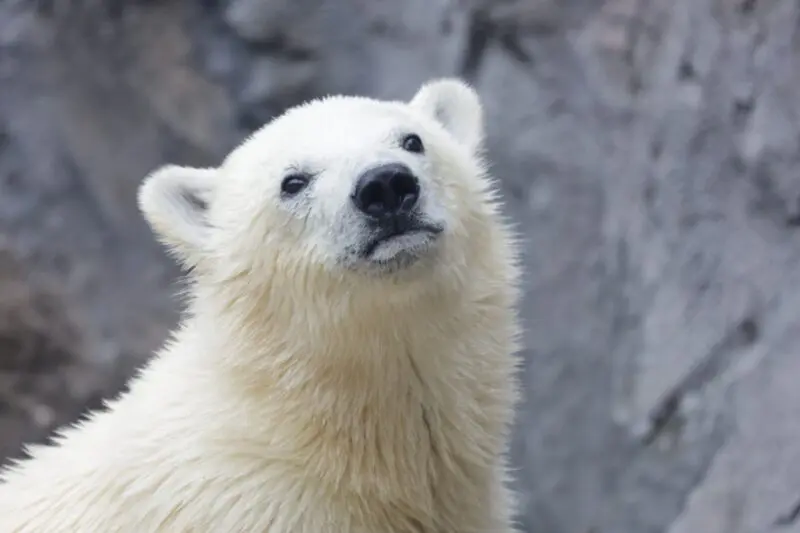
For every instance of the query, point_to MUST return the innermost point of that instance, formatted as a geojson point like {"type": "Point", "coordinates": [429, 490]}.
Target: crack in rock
{"type": "Point", "coordinates": [744, 334]}
{"type": "Point", "coordinates": [790, 517]}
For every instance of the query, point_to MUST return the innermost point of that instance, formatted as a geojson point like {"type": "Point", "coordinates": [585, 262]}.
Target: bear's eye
{"type": "Point", "coordinates": [294, 183]}
{"type": "Point", "coordinates": [412, 143]}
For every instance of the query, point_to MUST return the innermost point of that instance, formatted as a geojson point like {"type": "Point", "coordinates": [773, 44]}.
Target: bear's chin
{"type": "Point", "coordinates": [399, 262]}
{"type": "Point", "coordinates": [406, 252]}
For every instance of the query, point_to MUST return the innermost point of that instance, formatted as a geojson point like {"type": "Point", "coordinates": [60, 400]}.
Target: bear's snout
{"type": "Point", "coordinates": [386, 191]}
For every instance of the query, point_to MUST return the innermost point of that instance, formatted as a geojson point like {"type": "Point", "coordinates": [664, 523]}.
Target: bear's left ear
{"type": "Point", "coordinates": [174, 201]}
{"type": "Point", "coordinates": [456, 106]}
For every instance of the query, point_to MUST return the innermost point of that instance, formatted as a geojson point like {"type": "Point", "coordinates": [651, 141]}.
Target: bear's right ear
{"type": "Point", "coordinates": [174, 201]}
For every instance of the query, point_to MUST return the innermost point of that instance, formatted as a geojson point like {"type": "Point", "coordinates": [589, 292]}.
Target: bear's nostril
{"type": "Point", "coordinates": [373, 198]}
{"type": "Point", "coordinates": [405, 188]}
{"type": "Point", "coordinates": [386, 190]}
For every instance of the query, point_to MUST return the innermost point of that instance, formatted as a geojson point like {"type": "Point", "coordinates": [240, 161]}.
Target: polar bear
{"type": "Point", "coordinates": [346, 362]}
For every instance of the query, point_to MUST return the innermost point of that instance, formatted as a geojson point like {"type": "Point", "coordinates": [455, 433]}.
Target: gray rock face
{"type": "Point", "coordinates": [647, 150]}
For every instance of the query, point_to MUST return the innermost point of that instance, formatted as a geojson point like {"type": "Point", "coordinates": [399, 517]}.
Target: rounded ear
{"type": "Point", "coordinates": [456, 106]}
{"type": "Point", "coordinates": [174, 201]}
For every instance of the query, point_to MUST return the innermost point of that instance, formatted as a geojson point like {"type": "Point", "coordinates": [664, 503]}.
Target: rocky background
{"type": "Point", "coordinates": [648, 150]}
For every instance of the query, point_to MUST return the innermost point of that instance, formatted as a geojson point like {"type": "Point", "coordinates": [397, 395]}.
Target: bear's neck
{"type": "Point", "coordinates": [361, 347]}
{"type": "Point", "coordinates": [373, 384]}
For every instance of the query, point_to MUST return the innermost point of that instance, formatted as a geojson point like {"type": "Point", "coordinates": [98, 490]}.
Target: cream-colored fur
{"type": "Point", "coordinates": [299, 396]}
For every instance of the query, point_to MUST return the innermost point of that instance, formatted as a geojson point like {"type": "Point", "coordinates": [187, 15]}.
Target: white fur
{"type": "Point", "coordinates": [168, 198]}
{"type": "Point", "coordinates": [456, 106]}
{"type": "Point", "coordinates": [302, 394]}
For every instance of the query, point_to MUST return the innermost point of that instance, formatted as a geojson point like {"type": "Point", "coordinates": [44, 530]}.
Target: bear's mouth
{"type": "Point", "coordinates": [406, 237]}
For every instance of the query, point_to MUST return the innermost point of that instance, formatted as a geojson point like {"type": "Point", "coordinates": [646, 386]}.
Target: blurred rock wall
{"type": "Point", "coordinates": [648, 150]}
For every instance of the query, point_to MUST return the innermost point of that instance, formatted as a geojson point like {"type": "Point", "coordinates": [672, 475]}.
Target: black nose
{"type": "Point", "coordinates": [386, 190]}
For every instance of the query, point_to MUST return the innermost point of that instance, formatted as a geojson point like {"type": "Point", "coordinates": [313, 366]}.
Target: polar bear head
{"type": "Point", "coordinates": [341, 189]}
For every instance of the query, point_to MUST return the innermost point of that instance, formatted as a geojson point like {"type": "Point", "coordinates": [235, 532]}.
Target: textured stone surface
{"type": "Point", "coordinates": [647, 150]}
